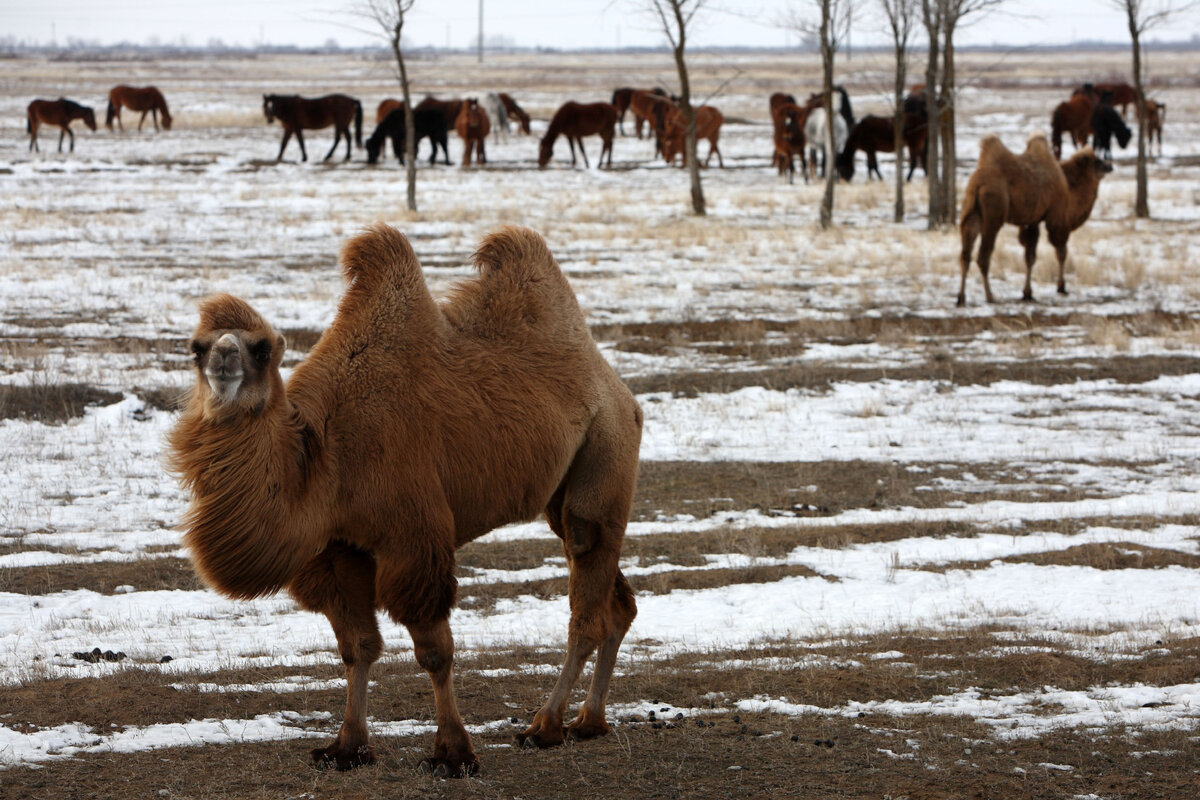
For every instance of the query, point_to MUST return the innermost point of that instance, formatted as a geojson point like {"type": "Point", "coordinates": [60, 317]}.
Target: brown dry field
{"type": "Point", "coordinates": [718, 753]}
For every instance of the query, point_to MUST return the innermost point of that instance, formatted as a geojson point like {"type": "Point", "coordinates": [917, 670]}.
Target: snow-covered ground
{"type": "Point", "coordinates": [106, 251]}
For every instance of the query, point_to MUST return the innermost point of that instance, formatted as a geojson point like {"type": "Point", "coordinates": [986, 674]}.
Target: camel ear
{"type": "Point", "coordinates": [280, 345]}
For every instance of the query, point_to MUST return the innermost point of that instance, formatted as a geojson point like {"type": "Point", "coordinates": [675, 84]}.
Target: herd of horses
{"type": "Point", "coordinates": [1091, 112]}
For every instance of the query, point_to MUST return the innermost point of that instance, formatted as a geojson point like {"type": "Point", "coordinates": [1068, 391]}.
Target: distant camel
{"type": "Point", "coordinates": [146, 99]}
{"type": "Point", "coordinates": [1026, 190]}
{"type": "Point", "coordinates": [413, 427]}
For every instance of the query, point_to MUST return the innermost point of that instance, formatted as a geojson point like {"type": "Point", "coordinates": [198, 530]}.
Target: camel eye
{"type": "Point", "coordinates": [261, 351]}
{"type": "Point", "coordinates": [198, 350]}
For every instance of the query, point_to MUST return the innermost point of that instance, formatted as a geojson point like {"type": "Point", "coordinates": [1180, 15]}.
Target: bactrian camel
{"type": "Point", "coordinates": [1026, 190]}
{"type": "Point", "coordinates": [412, 428]}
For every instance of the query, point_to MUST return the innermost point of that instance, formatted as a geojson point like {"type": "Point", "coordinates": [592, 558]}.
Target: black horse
{"type": "Point", "coordinates": [1106, 123]}
{"type": "Point", "coordinates": [427, 122]}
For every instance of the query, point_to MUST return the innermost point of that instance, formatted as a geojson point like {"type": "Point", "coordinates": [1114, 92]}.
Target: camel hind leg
{"type": "Point", "coordinates": [1028, 236]}
{"type": "Point", "coordinates": [340, 583]}
{"type": "Point", "coordinates": [970, 232]}
{"type": "Point", "coordinates": [589, 512]}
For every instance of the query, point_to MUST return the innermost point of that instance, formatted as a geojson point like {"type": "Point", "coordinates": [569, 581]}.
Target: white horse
{"type": "Point", "coordinates": [499, 114]}
{"type": "Point", "coordinates": [816, 132]}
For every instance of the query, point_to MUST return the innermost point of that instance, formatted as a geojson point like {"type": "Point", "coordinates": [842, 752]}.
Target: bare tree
{"type": "Point", "coordinates": [389, 16]}
{"type": "Point", "coordinates": [931, 19]}
{"type": "Point", "coordinates": [831, 27]}
{"type": "Point", "coordinates": [676, 17]}
{"type": "Point", "coordinates": [1142, 15]}
{"type": "Point", "coordinates": [901, 16]}
{"type": "Point", "coordinates": [956, 13]}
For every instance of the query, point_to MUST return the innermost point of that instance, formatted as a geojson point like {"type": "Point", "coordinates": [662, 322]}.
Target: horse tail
{"type": "Point", "coordinates": [112, 112]}
{"type": "Point", "coordinates": [358, 123]}
{"type": "Point", "coordinates": [29, 122]}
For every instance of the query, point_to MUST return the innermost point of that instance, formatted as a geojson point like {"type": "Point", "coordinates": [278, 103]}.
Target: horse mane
{"type": "Point", "coordinates": [71, 105]}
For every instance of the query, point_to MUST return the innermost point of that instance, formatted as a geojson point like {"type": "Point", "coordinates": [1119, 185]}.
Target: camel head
{"type": "Point", "coordinates": [237, 356]}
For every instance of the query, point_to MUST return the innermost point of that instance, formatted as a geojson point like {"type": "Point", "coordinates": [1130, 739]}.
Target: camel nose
{"type": "Point", "coordinates": [226, 360]}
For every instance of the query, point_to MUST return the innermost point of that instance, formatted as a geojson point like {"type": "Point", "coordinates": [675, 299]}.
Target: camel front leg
{"type": "Point", "coordinates": [340, 583]}
{"type": "Point", "coordinates": [1028, 236]}
{"type": "Point", "coordinates": [453, 756]}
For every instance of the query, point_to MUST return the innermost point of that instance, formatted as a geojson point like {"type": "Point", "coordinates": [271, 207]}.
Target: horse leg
{"type": "Point", "coordinates": [588, 512]}
{"type": "Point", "coordinates": [347, 158]}
{"type": "Point", "coordinates": [583, 153]}
{"type": "Point", "coordinates": [606, 148]}
{"type": "Point", "coordinates": [337, 137]}
{"type": "Point", "coordinates": [154, 118]}
{"type": "Point", "coordinates": [873, 165]}
{"type": "Point", "coordinates": [482, 153]}
{"type": "Point", "coordinates": [340, 583]}
{"type": "Point", "coordinates": [33, 131]}
{"type": "Point", "coordinates": [1058, 238]}
{"type": "Point", "coordinates": [1028, 236]}
{"type": "Point", "coordinates": [142, 120]}
{"type": "Point", "coordinates": [287, 134]}
{"type": "Point", "coordinates": [300, 140]}
{"type": "Point", "coordinates": [717, 150]}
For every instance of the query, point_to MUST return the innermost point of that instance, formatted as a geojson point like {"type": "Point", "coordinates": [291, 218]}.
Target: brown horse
{"type": "Point", "coordinates": [1156, 112]}
{"type": "Point", "coordinates": [873, 135]}
{"type": "Point", "coordinates": [654, 109]}
{"type": "Point", "coordinates": [473, 127]}
{"type": "Point", "coordinates": [297, 113]}
{"type": "Point", "coordinates": [1075, 117]}
{"type": "Point", "coordinates": [60, 112]}
{"type": "Point", "coordinates": [387, 106]}
{"type": "Point", "coordinates": [708, 126]}
{"type": "Point", "coordinates": [146, 99]}
{"type": "Point", "coordinates": [576, 120]}
{"type": "Point", "coordinates": [790, 141]}
{"type": "Point", "coordinates": [622, 100]}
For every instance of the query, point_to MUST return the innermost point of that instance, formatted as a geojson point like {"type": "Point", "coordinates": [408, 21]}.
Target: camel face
{"type": "Point", "coordinates": [235, 367]}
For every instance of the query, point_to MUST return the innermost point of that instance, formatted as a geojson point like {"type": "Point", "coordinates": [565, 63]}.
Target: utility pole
{"type": "Point", "coordinates": [480, 31]}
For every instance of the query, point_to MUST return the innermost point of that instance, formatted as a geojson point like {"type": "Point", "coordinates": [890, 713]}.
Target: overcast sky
{"type": "Point", "coordinates": [563, 23]}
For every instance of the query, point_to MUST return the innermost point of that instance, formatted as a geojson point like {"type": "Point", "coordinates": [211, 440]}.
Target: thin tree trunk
{"type": "Point", "coordinates": [933, 116]}
{"type": "Point", "coordinates": [689, 120]}
{"type": "Point", "coordinates": [831, 152]}
{"type": "Point", "coordinates": [1142, 200]}
{"type": "Point", "coordinates": [949, 136]}
{"type": "Point", "coordinates": [898, 131]}
{"type": "Point", "coordinates": [410, 142]}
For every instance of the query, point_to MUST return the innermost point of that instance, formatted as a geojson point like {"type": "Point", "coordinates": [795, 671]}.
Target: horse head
{"type": "Point", "coordinates": [89, 118]}
{"type": "Point", "coordinates": [1124, 134]}
{"type": "Point", "coordinates": [269, 107]}
{"type": "Point", "coordinates": [545, 150]}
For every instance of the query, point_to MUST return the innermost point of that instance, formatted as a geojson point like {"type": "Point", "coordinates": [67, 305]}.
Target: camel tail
{"type": "Point", "coordinates": [358, 123]}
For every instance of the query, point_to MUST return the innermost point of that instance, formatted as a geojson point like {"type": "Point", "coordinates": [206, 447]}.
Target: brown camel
{"type": "Point", "coordinates": [412, 428]}
{"type": "Point", "coordinates": [708, 126]}
{"type": "Point", "coordinates": [1026, 190]}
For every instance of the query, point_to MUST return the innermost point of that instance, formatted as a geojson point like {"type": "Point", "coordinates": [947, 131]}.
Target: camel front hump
{"type": "Point", "coordinates": [412, 427]}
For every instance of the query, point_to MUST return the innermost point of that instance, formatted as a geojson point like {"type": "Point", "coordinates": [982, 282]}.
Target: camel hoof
{"type": "Point", "coordinates": [538, 738]}
{"type": "Point", "coordinates": [1062, 290]}
{"type": "Point", "coordinates": [1027, 298]}
{"type": "Point", "coordinates": [582, 730]}
{"type": "Point", "coordinates": [962, 301]}
{"type": "Point", "coordinates": [450, 767]}
{"type": "Point", "coordinates": [333, 757]}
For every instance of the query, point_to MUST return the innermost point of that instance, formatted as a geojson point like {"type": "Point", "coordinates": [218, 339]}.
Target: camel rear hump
{"type": "Point", "coordinates": [520, 288]}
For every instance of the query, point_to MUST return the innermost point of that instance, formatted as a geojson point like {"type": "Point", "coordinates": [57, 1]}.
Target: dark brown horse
{"type": "Point", "coordinates": [473, 127]}
{"type": "Point", "coordinates": [873, 135]}
{"type": "Point", "coordinates": [146, 99]}
{"type": "Point", "coordinates": [1073, 116]}
{"type": "Point", "coordinates": [297, 113]}
{"type": "Point", "coordinates": [788, 119]}
{"type": "Point", "coordinates": [576, 120]}
{"type": "Point", "coordinates": [60, 112]}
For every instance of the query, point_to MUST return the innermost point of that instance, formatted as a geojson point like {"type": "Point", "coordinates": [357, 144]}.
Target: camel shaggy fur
{"type": "Point", "coordinates": [1026, 190]}
{"type": "Point", "coordinates": [414, 427]}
